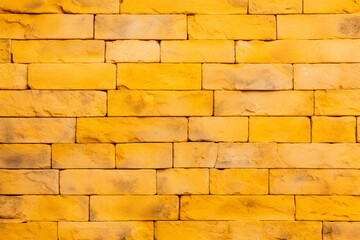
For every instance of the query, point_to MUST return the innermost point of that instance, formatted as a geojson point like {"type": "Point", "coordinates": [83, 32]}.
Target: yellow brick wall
{"type": "Point", "coordinates": [179, 119]}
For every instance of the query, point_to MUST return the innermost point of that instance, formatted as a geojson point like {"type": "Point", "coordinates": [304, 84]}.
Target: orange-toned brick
{"type": "Point", "coordinates": [132, 51]}
{"type": "Point", "coordinates": [195, 154]}
{"type": "Point", "coordinates": [333, 129]}
{"type": "Point", "coordinates": [13, 76]}
{"type": "Point", "coordinates": [5, 51]}
{"type": "Point", "coordinates": [275, 6]}
{"type": "Point", "coordinates": [29, 230]}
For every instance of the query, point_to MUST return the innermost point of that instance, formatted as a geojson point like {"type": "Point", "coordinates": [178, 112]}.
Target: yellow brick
{"type": "Point", "coordinates": [58, 51]}
{"type": "Point", "coordinates": [226, 129]}
{"type": "Point", "coordinates": [333, 6]}
{"type": "Point", "coordinates": [275, 6]}
{"type": "Point", "coordinates": [341, 230]}
{"type": "Point", "coordinates": [25, 156]}
{"type": "Point", "coordinates": [45, 208]}
{"type": "Point", "coordinates": [239, 181]}
{"type": "Point", "coordinates": [183, 181]}
{"type": "Point", "coordinates": [237, 230]}
{"type": "Point", "coordinates": [231, 27]}
{"type": "Point", "coordinates": [24, 26]}
{"type": "Point", "coordinates": [83, 156]}
{"type": "Point", "coordinates": [237, 207]}
{"type": "Point", "coordinates": [317, 26]}
{"type": "Point", "coordinates": [140, 27]}
{"type": "Point", "coordinates": [198, 51]}
{"type": "Point", "coordinates": [106, 230]}
{"type": "Point", "coordinates": [314, 181]}
{"type": "Point", "coordinates": [160, 103]}
{"type": "Point", "coordinates": [5, 51]}
{"type": "Point", "coordinates": [298, 51]}
{"type": "Point", "coordinates": [286, 103]}
{"type": "Point", "coordinates": [337, 103]}
{"type": "Point", "coordinates": [89, 182]}
{"type": "Point", "coordinates": [30, 230]}
{"type": "Point", "coordinates": [331, 208]}
{"type": "Point", "coordinates": [333, 129]}
{"type": "Point", "coordinates": [113, 208]}
{"type": "Point", "coordinates": [29, 182]}
{"type": "Point", "coordinates": [195, 154]}
{"type": "Point", "coordinates": [144, 155]}
{"type": "Point", "coordinates": [30, 103]}
{"type": "Point", "coordinates": [159, 76]}
{"type": "Point", "coordinates": [132, 51]}
{"type": "Point", "coordinates": [279, 129]}
{"type": "Point", "coordinates": [131, 129]}
{"type": "Point", "coordinates": [13, 76]}
{"type": "Point", "coordinates": [184, 6]}
{"type": "Point", "coordinates": [72, 76]}
{"type": "Point", "coordinates": [247, 76]}
{"type": "Point", "coordinates": [37, 130]}
{"type": "Point", "coordinates": [358, 129]}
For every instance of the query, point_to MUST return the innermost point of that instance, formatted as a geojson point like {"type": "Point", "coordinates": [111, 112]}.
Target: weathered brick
{"type": "Point", "coordinates": [333, 6]}
{"type": "Point", "coordinates": [341, 230]}
{"type": "Point", "coordinates": [29, 230]}
{"type": "Point", "coordinates": [144, 155]}
{"type": "Point", "coordinates": [337, 102]}
{"type": "Point", "coordinates": [13, 76]}
{"type": "Point", "coordinates": [333, 129]}
{"type": "Point", "coordinates": [225, 129]}
{"type": "Point", "coordinates": [132, 51]}
{"type": "Point", "coordinates": [5, 51]}
{"type": "Point", "coordinates": [140, 27]}
{"type": "Point", "coordinates": [237, 207]}
{"type": "Point", "coordinates": [113, 208]}
{"type": "Point", "coordinates": [72, 76]}
{"type": "Point", "coordinates": [195, 154]}
{"type": "Point", "coordinates": [275, 6]}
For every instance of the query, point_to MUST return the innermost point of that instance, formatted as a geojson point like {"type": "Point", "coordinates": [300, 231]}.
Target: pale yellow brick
{"type": "Point", "coordinates": [114, 208]}
{"type": "Point", "coordinates": [154, 27]}
{"type": "Point", "coordinates": [31, 103]}
{"type": "Point", "coordinates": [280, 103]}
{"type": "Point", "coordinates": [195, 154]}
{"type": "Point", "coordinates": [279, 129]}
{"type": "Point", "coordinates": [337, 102]}
{"type": "Point", "coordinates": [72, 76]}
{"type": "Point", "coordinates": [245, 27]}
{"type": "Point", "coordinates": [83, 156]}
{"type": "Point", "coordinates": [214, 51]}
{"type": "Point", "coordinates": [5, 51]}
{"type": "Point", "coordinates": [224, 129]}
{"type": "Point", "coordinates": [159, 76]}
{"type": "Point", "coordinates": [144, 155]}
{"type": "Point", "coordinates": [132, 51]}
{"type": "Point", "coordinates": [160, 103]}
{"type": "Point", "coordinates": [131, 129]}
{"type": "Point", "coordinates": [341, 230]}
{"type": "Point", "coordinates": [332, 6]}
{"type": "Point", "coordinates": [333, 129]}
{"type": "Point", "coordinates": [13, 76]}
{"type": "Point", "coordinates": [29, 230]}
{"type": "Point", "coordinates": [183, 181]}
{"type": "Point", "coordinates": [275, 6]}
{"type": "Point", "coordinates": [58, 51]}
{"type": "Point", "coordinates": [237, 207]}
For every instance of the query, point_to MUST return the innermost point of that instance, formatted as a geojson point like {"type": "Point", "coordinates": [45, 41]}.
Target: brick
{"type": "Point", "coordinates": [83, 156]}
{"type": "Point", "coordinates": [330, 208]}
{"type": "Point", "coordinates": [237, 207]}
{"type": "Point", "coordinates": [244, 230]}
{"type": "Point", "coordinates": [13, 76]}
{"type": "Point", "coordinates": [195, 154]}
{"type": "Point", "coordinates": [298, 51]}
{"type": "Point", "coordinates": [183, 181]}
{"type": "Point", "coordinates": [358, 129]}
{"type": "Point", "coordinates": [144, 155]}
{"type": "Point", "coordinates": [279, 129]}
{"type": "Point", "coordinates": [58, 51]}
{"type": "Point", "coordinates": [184, 7]}
{"type": "Point", "coordinates": [247, 76]}
{"type": "Point", "coordinates": [337, 103]}
{"type": "Point", "coordinates": [29, 182]}
{"type": "Point", "coordinates": [334, 6]}
{"type": "Point", "coordinates": [244, 27]}
{"type": "Point", "coordinates": [212, 51]}
{"type": "Point", "coordinates": [31, 103]}
{"type": "Point", "coordinates": [106, 230]}
{"type": "Point", "coordinates": [72, 76]}
{"type": "Point", "coordinates": [160, 103]}
{"type": "Point", "coordinates": [275, 6]}
{"type": "Point", "coordinates": [45, 26]}
{"type": "Point", "coordinates": [30, 230]}
{"type": "Point", "coordinates": [341, 230]}
{"type": "Point", "coordinates": [5, 51]}
{"type": "Point", "coordinates": [162, 76]}
{"type": "Point", "coordinates": [25, 156]}
{"type": "Point", "coordinates": [333, 129]}
{"type": "Point", "coordinates": [113, 208]}
{"type": "Point", "coordinates": [216, 129]}
{"type": "Point", "coordinates": [317, 26]}
{"type": "Point", "coordinates": [89, 182]}
{"type": "Point", "coordinates": [155, 27]}
{"type": "Point", "coordinates": [37, 130]}
{"type": "Point", "coordinates": [45, 208]}
{"type": "Point", "coordinates": [280, 103]}
{"type": "Point", "coordinates": [132, 51]}
{"type": "Point", "coordinates": [131, 129]}
{"type": "Point", "coordinates": [239, 181]}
